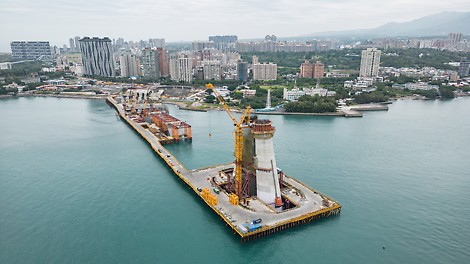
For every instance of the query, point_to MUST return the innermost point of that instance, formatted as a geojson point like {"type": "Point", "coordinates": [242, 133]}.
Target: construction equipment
{"type": "Point", "coordinates": [134, 105]}
{"type": "Point", "coordinates": [239, 124]}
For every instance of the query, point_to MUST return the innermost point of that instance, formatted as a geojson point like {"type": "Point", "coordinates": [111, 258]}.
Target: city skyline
{"type": "Point", "coordinates": [175, 20]}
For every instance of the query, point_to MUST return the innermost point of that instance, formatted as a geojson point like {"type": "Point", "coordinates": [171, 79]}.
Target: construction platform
{"type": "Point", "coordinates": [252, 218]}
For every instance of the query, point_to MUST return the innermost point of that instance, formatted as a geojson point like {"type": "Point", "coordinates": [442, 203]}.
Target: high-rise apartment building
{"type": "Point", "coordinates": [72, 44]}
{"type": "Point", "coordinates": [157, 43]}
{"type": "Point", "coordinates": [201, 45]}
{"type": "Point", "coordinates": [306, 69]}
{"type": "Point", "coordinates": [318, 70]}
{"type": "Point", "coordinates": [31, 50]}
{"type": "Point", "coordinates": [212, 70]}
{"type": "Point", "coordinates": [272, 38]}
{"type": "Point", "coordinates": [151, 63]}
{"type": "Point", "coordinates": [264, 71]}
{"type": "Point", "coordinates": [309, 70]}
{"type": "Point", "coordinates": [370, 61]}
{"type": "Point", "coordinates": [163, 60]}
{"type": "Point", "coordinates": [77, 44]}
{"type": "Point", "coordinates": [97, 56]}
{"type": "Point", "coordinates": [464, 67]}
{"type": "Point", "coordinates": [242, 71]}
{"type": "Point", "coordinates": [224, 43]}
{"type": "Point", "coordinates": [454, 37]}
{"type": "Point", "coordinates": [181, 68]}
{"type": "Point", "coordinates": [130, 65]}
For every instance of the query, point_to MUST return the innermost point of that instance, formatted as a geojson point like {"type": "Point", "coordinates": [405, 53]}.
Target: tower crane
{"type": "Point", "coordinates": [238, 134]}
{"type": "Point", "coordinates": [134, 105]}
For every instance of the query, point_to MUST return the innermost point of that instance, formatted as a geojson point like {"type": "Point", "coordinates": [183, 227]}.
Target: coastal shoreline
{"type": "Point", "coordinates": [95, 97]}
{"type": "Point", "coordinates": [301, 114]}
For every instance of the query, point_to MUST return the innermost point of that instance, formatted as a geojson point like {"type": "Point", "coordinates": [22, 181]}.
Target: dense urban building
{"type": "Point", "coordinates": [264, 71]}
{"type": "Point", "coordinates": [31, 50]}
{"type": "Point", "coordinates": [199, 72]}
{"type": "Point", "coordinates": [454, 37]}
{"type": "Point", "coordinates": [5, 66]}
{"type": "Point", "coordinates": [72, 44]}
{"type": "Point", "coordinates": [464, 66]}
{"type": "Point", "coordinates": [270, 46]}
{"type": "Point", "coordinates": [270, 38]}
{"type": "Point", "coordinates": [97, 56]}
{"type": "Point", "coordinates": [306, 70]}
{"type": "Point", "coordinates": [157, 43]}
{"type": "Point", "coordinates": [242, 71]}
{"type": "Point", "coordinates": [151, 63]}
{"type": "Point", "coordinates": [202, 45]}
{"type": "Point", "coordinates": [163, 61]}
{"type": "Point", "coordinates": [309, 70]}
{"type": "Point", "coordinates": [181, 68]}
{"type": "Point", "coordinates": [453, 42]}
{"type": "Point", "coordinates": [370, 62]}
{"type": "Point", "coordinates": [224, 43]}
{"type": "Point", "coordinates": [318, 70]}
{"type": "Point", "coordinates": [212, 70]}
{"type": "Point", "coordinates": [130, 65]}
{"type": "Point", "coordinates": [77, 44]}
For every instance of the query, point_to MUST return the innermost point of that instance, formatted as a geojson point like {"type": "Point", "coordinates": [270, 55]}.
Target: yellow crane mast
{"type": "Point", "coordinates": [134, 105]}
{"type": "Point", "coordinates": [238, 139]}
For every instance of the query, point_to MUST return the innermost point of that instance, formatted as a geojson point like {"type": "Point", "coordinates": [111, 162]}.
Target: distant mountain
{"type": "Point", "coordinates": [433, 25]}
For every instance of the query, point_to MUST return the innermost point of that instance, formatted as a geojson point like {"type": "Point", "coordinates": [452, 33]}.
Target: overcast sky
{"type": "Point", "coordinates": [175, 20]}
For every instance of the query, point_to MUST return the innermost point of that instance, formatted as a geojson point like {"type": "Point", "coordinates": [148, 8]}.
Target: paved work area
{"type": "Point", "coordinates": [307, 200]}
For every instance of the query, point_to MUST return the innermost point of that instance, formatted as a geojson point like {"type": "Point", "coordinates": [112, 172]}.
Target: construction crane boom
{"type": "Point", "coordinates": [223, 103]}
{"type": "Point", "coordinates": [238, 138]}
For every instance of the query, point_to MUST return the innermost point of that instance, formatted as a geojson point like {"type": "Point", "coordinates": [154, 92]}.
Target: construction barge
{"type": "Point", "coordinates": [253, 207]}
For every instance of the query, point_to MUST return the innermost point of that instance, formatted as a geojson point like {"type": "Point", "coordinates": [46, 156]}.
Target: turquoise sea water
{"type": "Point", "coordinates": [77, 185]}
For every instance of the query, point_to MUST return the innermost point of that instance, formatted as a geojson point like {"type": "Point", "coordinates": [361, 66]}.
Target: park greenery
{"type": "Point", "coordinates": [5, 57]}
{"type": "Point", "coordinates": [372, 97]}
{"type": "Point", "coordinates": [259, 100]}
{"type": "Point", "coordinates": [210, 99]}
{"type": "Point", "coordinates": [22, 69]}
{"type": "Point", "coordinates": [446, 92]}
{"type": "Point", "coordinates": [312, 104]}
{"type": "Point", "coordinates": [3, 91]}
{"type": "Point", "coordinates": [419, 58]}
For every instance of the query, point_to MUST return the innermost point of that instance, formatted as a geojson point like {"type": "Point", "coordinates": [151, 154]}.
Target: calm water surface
{"type": "Point", "coordinates": [79, 186]}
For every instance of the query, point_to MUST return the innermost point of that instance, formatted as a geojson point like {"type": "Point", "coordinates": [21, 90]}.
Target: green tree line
{"type": "Point", "coordinates": [312, 104]}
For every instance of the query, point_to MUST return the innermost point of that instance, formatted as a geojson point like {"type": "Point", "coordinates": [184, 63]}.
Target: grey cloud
{"type": "Point", "coordinates": [196, 19]}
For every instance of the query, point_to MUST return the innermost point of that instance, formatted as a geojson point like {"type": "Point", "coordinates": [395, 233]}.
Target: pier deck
{"type": "Point", "coordinates": [309, 204]}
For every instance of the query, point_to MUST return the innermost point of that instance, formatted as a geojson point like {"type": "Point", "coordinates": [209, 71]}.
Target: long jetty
{"type": "Point", "coordinates": [310, 204]}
